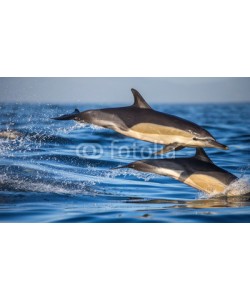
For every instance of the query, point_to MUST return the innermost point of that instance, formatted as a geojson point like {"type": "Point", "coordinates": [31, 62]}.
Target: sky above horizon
{"type": "Point", "coordinates": [104, 90]}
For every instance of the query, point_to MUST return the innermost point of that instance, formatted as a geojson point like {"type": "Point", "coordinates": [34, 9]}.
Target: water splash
{"type": "Point", "coordinates": [239, 187]}
{"type": "Point", "coordinates": [22, 144]}
{"type": "Point", "coordinates": [19, 184]}
{"type": "Point", "coordinates": [130, 172]}
{"type": "Point", "coordinates": [69, 129]}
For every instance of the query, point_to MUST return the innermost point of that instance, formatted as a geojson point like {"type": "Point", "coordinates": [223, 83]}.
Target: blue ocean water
{"type": "Point", "coordinates": [61, 171]}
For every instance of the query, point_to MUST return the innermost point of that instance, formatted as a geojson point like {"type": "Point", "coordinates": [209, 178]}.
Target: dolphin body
{"type": "Point", "coordinates": [9, 134]}
{"type": "Point", "coordinates": [198, 172]}
{"type": "Point", "coordinates": [142, 122]}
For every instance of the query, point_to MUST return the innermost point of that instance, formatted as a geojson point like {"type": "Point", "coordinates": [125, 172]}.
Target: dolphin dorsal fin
{"type": "Point", "coordinates": [139, 101]}
{"type": "Point", "coordinates": [202, 155]}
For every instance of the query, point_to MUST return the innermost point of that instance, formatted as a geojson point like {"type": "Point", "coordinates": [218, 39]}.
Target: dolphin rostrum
{"type": "Point", "coordinates": [142, 122]}
{"type": "Point", "coordinates": [198, 172]}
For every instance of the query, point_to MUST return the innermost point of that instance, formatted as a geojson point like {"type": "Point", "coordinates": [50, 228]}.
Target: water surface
{"type": "Point", "coordinates": [50, 173]}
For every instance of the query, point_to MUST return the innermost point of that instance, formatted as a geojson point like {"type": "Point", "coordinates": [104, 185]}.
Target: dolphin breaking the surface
{"type": "Point", "coordinates": [10, 134]}
{"type": "Point", "coordinates": [198, 172]}
{"type": "Point", "coordinates": [141, 122]}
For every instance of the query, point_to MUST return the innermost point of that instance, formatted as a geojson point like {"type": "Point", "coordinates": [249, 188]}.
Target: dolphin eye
{"type": "Point", "coordinates": [203, 139]}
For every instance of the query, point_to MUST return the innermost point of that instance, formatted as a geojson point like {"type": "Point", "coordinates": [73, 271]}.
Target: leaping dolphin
{"type": "Point", "coordinates": [198, 172]}
{"type": "Point", "coordinates": [142, 122]}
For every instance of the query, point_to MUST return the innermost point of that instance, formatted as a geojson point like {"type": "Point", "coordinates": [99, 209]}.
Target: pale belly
{"type": "Point", "coordinates": [205, 183]}
{"type": "Point", "coordinates": [200, 181]}
{"type": "Point", "coordinates": [158, 134]}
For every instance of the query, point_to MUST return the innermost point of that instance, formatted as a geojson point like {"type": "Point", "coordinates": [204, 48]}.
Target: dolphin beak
{"type": "Point", "coordinates": [215, 144]}
{"type": "Point", "coordinates": [120, 167]}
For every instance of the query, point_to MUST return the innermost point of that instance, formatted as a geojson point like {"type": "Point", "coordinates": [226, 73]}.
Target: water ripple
{"type": "Point", "coordinates": [44, 179]}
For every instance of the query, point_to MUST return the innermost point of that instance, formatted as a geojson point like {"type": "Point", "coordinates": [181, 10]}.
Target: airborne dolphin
{"type": "Point", "coordinates": [198, 172]}
{"type": "Point", "coordinates": [142, 122]}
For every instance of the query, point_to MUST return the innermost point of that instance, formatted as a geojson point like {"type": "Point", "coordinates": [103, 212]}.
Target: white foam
{"type": "Point", "coordinates": [63, 187]}
{"type": "Point", "coordinates": [70, 128]}
{"type": "Point", "coordinates": [128, 172]}
{"type": "Point", "coordinates": [239, 187]}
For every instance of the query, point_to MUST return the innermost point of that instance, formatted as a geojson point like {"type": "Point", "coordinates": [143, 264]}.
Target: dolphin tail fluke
{"type": "Point", "coordinates": [73, 116]}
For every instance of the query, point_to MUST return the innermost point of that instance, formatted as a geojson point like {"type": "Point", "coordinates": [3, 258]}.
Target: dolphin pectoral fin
{"type": "Point", "coordinates": [139, 101]}
{"type": "Point", "coordinates": [179, 148]}
{"type": "Point", "coordinates": [168, 148]}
